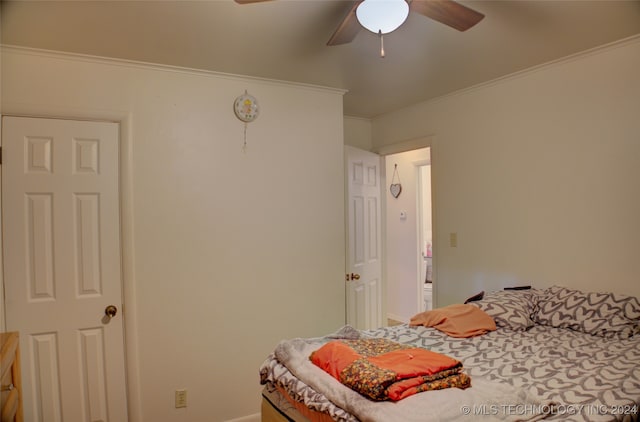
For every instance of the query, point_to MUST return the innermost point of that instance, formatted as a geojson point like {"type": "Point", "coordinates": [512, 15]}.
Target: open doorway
{"type": "Point", "coordinates": [409, 244]}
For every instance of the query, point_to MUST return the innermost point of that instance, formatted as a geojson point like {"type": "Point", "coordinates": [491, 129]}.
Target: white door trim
{"type": "Point", "coordinates": [124, 118]}
{"type": "Point", "coordinates": [3, 326]}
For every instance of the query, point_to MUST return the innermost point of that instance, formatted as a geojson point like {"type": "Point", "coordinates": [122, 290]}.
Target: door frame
{"type": "Point", "coordinates": [125, 174]}
{"type": "Point", "coordinates": [405, 146]}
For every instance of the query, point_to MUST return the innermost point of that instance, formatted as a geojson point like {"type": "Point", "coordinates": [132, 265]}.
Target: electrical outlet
{"type": "Point", "coordinates": [181, 398]}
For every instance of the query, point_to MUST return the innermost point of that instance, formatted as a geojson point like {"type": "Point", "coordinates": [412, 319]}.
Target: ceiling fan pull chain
{"type": "Point", "coordinates": [381, 43]}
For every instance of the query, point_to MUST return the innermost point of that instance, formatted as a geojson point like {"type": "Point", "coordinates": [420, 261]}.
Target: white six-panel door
{"type": "Point", "coordinates": [364, 261]}
{"type": "Point", "coordinates": [61, 229]}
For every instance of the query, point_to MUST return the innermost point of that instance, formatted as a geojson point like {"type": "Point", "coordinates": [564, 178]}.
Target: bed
{"type": "Point", "coordinates": [556, 354]}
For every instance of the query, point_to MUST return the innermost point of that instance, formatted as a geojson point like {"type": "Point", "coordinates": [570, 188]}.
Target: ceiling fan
{"type": "Point", "coordinates": [448, 12]}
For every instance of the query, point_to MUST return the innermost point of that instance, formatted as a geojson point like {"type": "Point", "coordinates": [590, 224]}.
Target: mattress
{"type": "Point", "coordinates": [557, 354]}
{"type": "Point", "coordinates": [588, 378]}
{"type": "Point", "coordinates": [278, 406]}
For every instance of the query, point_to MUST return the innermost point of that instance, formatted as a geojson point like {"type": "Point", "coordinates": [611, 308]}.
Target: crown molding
{"type": "Point", "coordinates": [63, 55]}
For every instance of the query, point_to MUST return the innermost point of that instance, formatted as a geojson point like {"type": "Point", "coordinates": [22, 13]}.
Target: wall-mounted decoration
{"type": "Point", "coordinates": [247, 110]}
{"type": "Point", "coordinates": [246, 107]}
{"type": "Point", "coordinates": [395, 188]}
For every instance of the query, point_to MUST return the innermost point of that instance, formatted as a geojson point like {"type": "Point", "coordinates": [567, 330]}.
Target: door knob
{"type": "Point", "coordinates": [355, 276]}
{"type": "Point", "coordinates": [110, 311]}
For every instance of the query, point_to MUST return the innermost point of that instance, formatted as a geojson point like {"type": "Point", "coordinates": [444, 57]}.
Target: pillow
{"type": "Point", "coordinates": [511, 309]}
{"type": "Point", "coordinates": [477, 296]}
{"type": "Point", "coordinates": [606, 315]}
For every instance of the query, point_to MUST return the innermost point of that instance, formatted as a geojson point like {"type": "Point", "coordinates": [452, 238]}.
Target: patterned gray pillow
{"type": "Point", "coordinates": [606, 315]}
{"type": "Point", "coordinates": [511, 309]}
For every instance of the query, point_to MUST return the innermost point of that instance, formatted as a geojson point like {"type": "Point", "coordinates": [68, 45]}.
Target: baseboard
{"type": "Point", "coordinates": [250, 418]}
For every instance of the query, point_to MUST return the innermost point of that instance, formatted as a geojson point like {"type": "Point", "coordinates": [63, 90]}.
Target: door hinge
{"type": "Point", "coordinates": [0, 155]}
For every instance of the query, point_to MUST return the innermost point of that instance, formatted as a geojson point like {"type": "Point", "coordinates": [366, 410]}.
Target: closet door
{"type": "Point", "coordinates": [61, 228]}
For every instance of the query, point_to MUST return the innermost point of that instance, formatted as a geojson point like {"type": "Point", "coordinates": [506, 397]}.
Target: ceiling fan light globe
{"type": "Point", "coordinates": [382, 16]}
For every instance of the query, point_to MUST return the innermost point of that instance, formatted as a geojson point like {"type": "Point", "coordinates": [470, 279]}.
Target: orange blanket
{"type": "Point", "coordinates": [456, 320]}
{"type": "Point", "coordinates": [382, 369]}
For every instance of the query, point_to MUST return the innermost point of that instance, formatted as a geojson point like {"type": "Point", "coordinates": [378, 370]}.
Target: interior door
{"type": "Point", "coordinates": [61, 228]}
{"type": "Point", "coordinates": [364, 262]}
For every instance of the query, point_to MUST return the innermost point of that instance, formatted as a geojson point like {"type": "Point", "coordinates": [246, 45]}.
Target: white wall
{"type": "Point", "coordinates": [402, 234]}
{"type": "Point", "coordinates": [357, 132]}
{"type": "Point", "coordinates": [537, 174]}
{"type": "Point", "coordinates": [227, 253]}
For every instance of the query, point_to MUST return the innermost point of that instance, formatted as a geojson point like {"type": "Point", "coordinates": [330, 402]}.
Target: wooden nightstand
{"type": "Point", "coordinates": [10, 382]}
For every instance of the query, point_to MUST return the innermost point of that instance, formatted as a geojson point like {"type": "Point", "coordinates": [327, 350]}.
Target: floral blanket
{"type": "Point", "coordinates": [382, 369]}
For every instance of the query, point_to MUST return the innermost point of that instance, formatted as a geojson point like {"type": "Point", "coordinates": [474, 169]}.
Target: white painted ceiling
{"type": "Point", "coordinates": [286, 40]}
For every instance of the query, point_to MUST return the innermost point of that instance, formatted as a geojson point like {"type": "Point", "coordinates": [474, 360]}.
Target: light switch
{"type": "Point", "coordinates": [403, 215]}
{"type": "Point", "coordinates": [453, 240]}
{"type": "Point", "coordinates": [181, 398]}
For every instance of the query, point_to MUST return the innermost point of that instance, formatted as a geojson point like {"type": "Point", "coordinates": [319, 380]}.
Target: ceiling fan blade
{"type": "Point", "coordinates": [447, 12]}
{"type": "Point", "coordinates": [348, 28]}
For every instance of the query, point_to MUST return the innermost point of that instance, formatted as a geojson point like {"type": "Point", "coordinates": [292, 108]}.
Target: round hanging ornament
{"type": "Point", "coordinates": [246, 108]}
